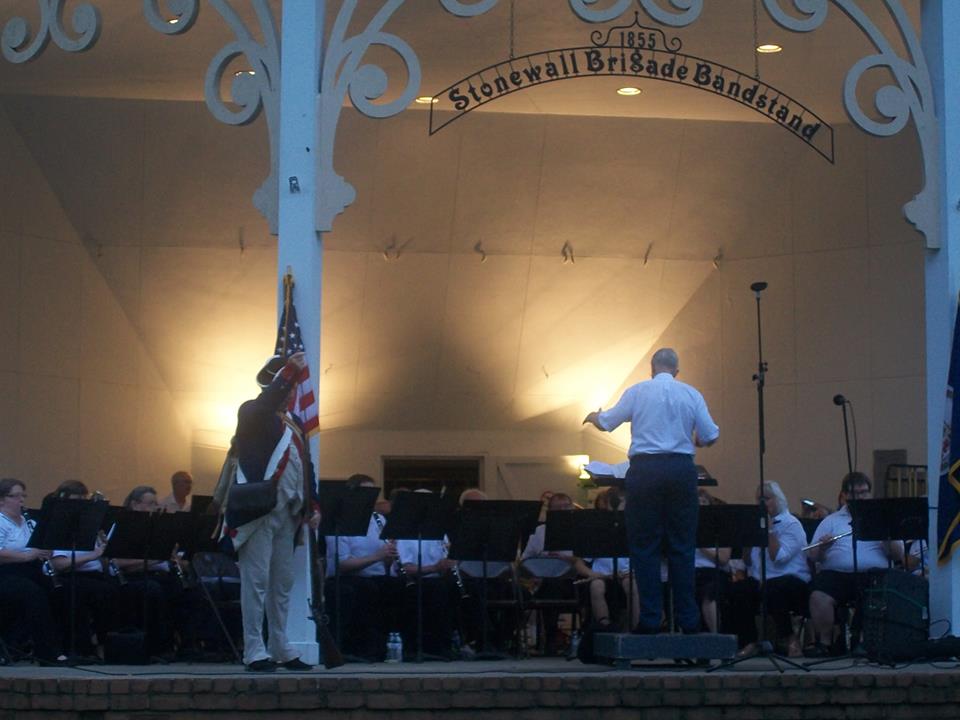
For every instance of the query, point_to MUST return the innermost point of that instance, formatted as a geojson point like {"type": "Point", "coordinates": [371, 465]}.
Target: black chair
{"type": "Point", "coordinates": [218, 578]}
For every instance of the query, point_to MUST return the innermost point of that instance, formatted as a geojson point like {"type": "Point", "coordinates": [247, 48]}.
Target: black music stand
{"type": "Point", "coordinates": [346, 513]}
{"type": "Point", "coordinates": [67, 523]}
{"type": "Point", "coordinates": [201, 504]}
{"type": "Point", "coordinates": [603, 534]}
{"type": "Point", "coordinates": [743, 526]}
{"type": "Point", "coordinates": [416, 516]}
{"type": "Point", "coordinates": [492, 531]}
{"type": "Point", "coordinates": [888, 519]}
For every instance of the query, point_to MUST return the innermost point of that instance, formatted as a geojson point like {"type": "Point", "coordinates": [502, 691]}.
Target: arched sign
{"type": "Point", "coordinates": [634, 51]}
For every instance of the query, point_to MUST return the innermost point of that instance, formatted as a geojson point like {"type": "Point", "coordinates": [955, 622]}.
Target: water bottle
{"type": "Point", "coordinates": [394, 648]}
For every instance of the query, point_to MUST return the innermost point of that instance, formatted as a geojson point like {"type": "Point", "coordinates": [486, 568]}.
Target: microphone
{"type": "Point", "coordinates": [758, 287]}
{"type": "Point", "coordinates": [839, 400]}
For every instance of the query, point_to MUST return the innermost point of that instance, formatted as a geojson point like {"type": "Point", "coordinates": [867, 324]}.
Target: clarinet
{"type": "Point", "coordinates": [46, 567]}
{"type": "Point", "coordinates": [401, 573]}
{"type": "Point", "coordinates": [458, 579]}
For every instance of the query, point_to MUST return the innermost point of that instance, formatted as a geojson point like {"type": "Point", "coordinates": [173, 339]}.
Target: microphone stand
{"type": "Point", "coordinates": [764, 647]}
{"type": "Point", "coordinates": [843, 402]}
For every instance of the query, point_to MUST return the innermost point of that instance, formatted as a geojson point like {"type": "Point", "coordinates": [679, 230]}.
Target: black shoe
{"type": "Point", "coordinates": [262, 666]}
{"type": "Point", "coordinates": [690, 631]}
{"type": "Point", "coordinates": [817, 651]}
{"type": "Point", "coordinates": [296, 664]}
{"type": "Point", "coordinates": [643, 630]}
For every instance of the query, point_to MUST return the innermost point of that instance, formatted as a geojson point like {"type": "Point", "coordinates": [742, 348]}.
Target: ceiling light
{"type": "Point", "coordinates": [174, 20]}
{"type": "Point", "coordinates": [769, 48]}
{"type": "Point", "coordinates": [238, 73]}
{"type": "Point", "coordinates": [427, 100]}
{"type": "Point", "coordinates": [629, 91]}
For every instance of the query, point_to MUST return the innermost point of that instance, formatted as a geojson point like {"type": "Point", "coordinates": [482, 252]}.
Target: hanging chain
{"type": "Point", "coordinates": [756, 41]}
{"type": "Point", "coordinates": [512, 28]}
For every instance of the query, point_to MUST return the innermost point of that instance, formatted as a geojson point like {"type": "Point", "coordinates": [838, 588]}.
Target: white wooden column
{"type": "Point", "coordinates": [300, 245]}
{"type": "Point", "coordinates": [940, 29]}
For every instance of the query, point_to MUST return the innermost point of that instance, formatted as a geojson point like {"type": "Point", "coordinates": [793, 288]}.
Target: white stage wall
{"type": "Point", "coordinates": [138, 289]}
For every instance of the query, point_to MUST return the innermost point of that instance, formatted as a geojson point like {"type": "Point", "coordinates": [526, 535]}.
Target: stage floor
{"type": "Point", "coordinates": [541, 689]}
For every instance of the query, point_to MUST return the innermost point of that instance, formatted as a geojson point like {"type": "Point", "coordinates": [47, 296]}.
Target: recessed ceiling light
{"type": "Point", "coordinates": [427, 100]}
{"type": "Point", "coordinates": [769, 48]}
{"type": "Point", "coordinates": [238, 73]}
{"type": "Point", "coordinates": [629, 91]}
{"type": "Point", "coordinates": [174, 20]}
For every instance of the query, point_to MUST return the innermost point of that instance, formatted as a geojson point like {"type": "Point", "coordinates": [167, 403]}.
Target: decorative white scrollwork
{"type": "Point", "coordinates": [468, 9]}
{"type": "Point", "coordinates": [910, 97]}
{"type": "Point", "coordinates": [18, 47]}
{"type": "Point", "coordinates": [254, 88]}
{"type": "Point", "coordinates": [343, 73]}
{"type": "Point", "coordinates": [688, 11]}
{"type": "Point", "coordinates": [586, 11]}
{"type": "Point", "coordinates": [177, 16]}
{"type": "Point", "coordinates": [815, 12]}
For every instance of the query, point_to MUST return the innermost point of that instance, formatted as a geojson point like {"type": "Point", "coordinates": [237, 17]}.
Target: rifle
{"type": "Point", "coordinates": [332, 657]}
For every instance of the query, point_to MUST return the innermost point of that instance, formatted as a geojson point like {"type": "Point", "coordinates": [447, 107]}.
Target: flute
{"type": "Point", "coordinates": [827, 540]}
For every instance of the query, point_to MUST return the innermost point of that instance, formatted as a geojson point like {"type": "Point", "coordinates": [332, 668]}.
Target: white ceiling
{"type": "Point", "coordinates": [131, 60]}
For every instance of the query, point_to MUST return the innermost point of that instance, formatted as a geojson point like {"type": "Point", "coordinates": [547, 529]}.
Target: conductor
{"type": "Point", "coordinates": [668, 419]}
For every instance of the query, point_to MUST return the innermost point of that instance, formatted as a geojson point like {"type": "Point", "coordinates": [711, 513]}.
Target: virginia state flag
{"type": "Point", "coordinates": [948, 515]}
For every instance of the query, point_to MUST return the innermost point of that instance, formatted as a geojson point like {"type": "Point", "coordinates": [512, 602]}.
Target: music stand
{"type": "Point", "coordinates": [200, 504]}
{"type": "Point", "coordinates": [416, 516]}
{"type": "Point", "coordinates": [74, 524]}
{"type": "Point", "coordinates": [600, 534]}
{"type": "Point", "coordinates": [743, 526]}
{"type": "Point", "coordinates": [346, 513]}
{"type": "Point", "coordinates": [492, 530]}
{"type": "Point", "coordinates": [889, 519]}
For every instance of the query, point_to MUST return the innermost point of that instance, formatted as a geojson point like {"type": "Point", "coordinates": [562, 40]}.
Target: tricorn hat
{"type": "Point", "coordinates": [270, 369]}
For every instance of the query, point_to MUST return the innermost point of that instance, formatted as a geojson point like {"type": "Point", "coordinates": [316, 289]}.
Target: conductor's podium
{"type": "Point", "coordinates": [621, 649]}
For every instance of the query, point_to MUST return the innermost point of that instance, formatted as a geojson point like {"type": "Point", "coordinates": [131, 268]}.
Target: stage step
{"type": "Point", "coordinates": [622, 648]}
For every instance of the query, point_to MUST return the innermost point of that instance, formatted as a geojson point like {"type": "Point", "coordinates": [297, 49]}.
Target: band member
{"type": "Point", "coordinates": [711, 574]}
{"type": "Point", "coordinates": [179, 500]}
{"type": "Point", "coordinates": [96, 592]}
{"type": "Point", "coordinates": [24, 591]}
{"type": "Point", "coordinates": [147, 597]}
{"type": "Point", "coordinates": [788, 576]}
{"type": "Point", "coordinates": [369, 592]}
{"type": "Point", "coordinates": [271, 448]}
{"type": "Point", "coordinates": [552, 587]}
{"type": "Point", "coordinates": [439, 594]}
{"type": "Point", "coordinates": [836, 583]}
{"type": "Point", "coordinates": [668, 419]}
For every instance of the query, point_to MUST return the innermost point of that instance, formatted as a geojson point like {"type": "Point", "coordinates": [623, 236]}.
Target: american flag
{"type": "Point", "coordinates": [290, 341]}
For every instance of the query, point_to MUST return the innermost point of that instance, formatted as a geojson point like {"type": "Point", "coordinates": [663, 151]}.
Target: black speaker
{"type": "Point", "coordinates": [125, 648]}
{"type": "Point", "coordinates": [896, 621]}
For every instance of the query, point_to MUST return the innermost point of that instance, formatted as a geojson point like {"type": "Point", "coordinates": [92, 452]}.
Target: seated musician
{"type": "Point", "coordinates": [551, 587]}
{"type": "Point", "coordinates": [501, 624]}
{"type": "Point", "coordinates": [440, 596]}
{"type": "Point", "coordinates": [788, 577]}
{"type": "Point", "coordinates": [24, 591]}
{"type": "Point", "coordinates": [369, 593]}
{"type": "Point", "coordinates": [711, 573]}
{"type": "Point", "coordinates": [96, 591]}
{"type": "Point", "coordinates": [835, 582]}
{"type": "Point", "coordinates": [148, 596]}
{"type": "Point", "coordinates": [606, 587]}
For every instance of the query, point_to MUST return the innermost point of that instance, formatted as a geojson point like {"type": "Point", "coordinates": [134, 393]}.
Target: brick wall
{"type": "Point", "coordinates": [619, 696]}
